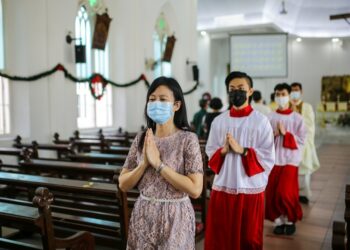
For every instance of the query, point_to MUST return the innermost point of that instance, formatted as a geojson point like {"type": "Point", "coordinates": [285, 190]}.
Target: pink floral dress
{"type": "Point", "coordinates": [164, 225]}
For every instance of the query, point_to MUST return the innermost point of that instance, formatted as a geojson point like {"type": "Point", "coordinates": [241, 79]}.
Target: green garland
{"type": "Point", "coordinates": [93, 80]}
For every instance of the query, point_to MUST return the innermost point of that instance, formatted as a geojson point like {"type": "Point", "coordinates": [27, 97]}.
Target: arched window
{"type": "Point", "coordinates": [159, 42]}
{"type": "Point", "coordinates": [4, 85]}
{"type": "Point", "coordinates": [91, 112]}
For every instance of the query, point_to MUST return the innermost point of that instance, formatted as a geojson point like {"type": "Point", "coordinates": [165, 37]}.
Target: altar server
{"type": "Point", "coordinates": [241, 152]}
{"type": "Point", "coordinates": [309, 162]}
{"type": "Point", "coordinates": [282, 192]}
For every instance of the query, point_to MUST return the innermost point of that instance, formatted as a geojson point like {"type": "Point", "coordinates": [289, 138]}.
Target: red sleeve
{"type": "Point", "coordinates": [289, 141]}
{"type": "Point", "coordinates": [251, 164]}
{"type": "Point", "coordinates": [216, 161]}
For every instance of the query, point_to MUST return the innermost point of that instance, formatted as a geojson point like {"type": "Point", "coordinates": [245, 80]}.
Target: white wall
{"type": "Point", "coordinates": [308, 61]}
{"type": "Point", "coordinates": [35, 41]}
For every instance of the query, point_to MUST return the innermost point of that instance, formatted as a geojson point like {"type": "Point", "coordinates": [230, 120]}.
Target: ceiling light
{"type": "Point", "coordinates": [204, 33]}
{"type": "Point", "coordinates": [298, 39]}
{"type": "Point", "coordinates": [335, 40]}
{"type": "Point", "coordinates": [283, 11]}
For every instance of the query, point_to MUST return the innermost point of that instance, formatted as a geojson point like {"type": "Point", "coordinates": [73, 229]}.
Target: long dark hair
{"type": "Point", "coordinates": [180, 117]}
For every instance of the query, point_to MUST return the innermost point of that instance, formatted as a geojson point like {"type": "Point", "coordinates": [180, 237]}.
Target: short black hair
{"type": "Point", "coordinates": [257, 95]}
{"type": "Point", "coordinates": [282, 86]}
{"type": "Point", "coordinates": [297, 84]}
{"type": "Point", "coordinates": [238, 74]}
{"type": "Point", "coordinates": [272, 97]}
{"type": "Point", "coordinates": [202, 103]}
{"type": "Point", "coordinates": [215, 103]}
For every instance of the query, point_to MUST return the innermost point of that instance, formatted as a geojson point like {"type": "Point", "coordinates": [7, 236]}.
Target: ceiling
{"type": "Point", "coordinates": [305, 18]}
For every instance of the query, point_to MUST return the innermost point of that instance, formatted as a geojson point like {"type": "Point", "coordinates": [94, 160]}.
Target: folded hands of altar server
{"type": "Point", "coordinates": [231, 144]}
{"type": "Point", "coordinates": [280, 129]}
{"type": "Point", "coordinates": [151, 152]}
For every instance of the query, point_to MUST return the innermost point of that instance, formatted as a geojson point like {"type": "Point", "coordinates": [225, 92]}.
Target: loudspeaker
{"type": "Point", "coordinates": [80, 56]}
{"type": "Point", "coordinates": [195, 73]}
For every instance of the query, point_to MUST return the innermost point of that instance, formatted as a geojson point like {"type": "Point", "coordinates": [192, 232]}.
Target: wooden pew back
{"type": "Point", "coordinates": [39, 220]}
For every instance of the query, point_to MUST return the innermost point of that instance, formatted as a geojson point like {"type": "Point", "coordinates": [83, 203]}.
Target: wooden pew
{"type": "Point", "coordinates": [62, 150]}
{"type": "Point", "coordinates": [118, 133]}
{"type": "Point", "coordinates": [122, 139]}
{"type": "Point", "coordinates": [76, 169]}
{"type": "Point", "coordinates": [339, 239]}
{"type": "Point", "coordinates": [340, 231]}
{"type": "Point", "coordinates": [39, 220]}
{"type": "Point", "coordinates": [21, 154]}
{"type": "Point", "coordinates": [10, 151]}
{"type": "Point", "coordinates": [115, 150]}
{"type": "Point", "coordinates": [79, 205]}
{"type": "Point", "coordinates": [57, 139]}
{"type": "Point", "coordinates": [85, 145]}
{"type": "Point", "coordinates": [99, 158]}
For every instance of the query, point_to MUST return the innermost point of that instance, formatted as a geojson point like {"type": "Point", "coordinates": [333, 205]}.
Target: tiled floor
{"type": "Point", "coordinates": [327, 204]}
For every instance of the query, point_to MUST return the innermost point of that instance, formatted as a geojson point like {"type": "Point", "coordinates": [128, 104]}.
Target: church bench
{"type": "Point", "coordinates": [39, 220]}
{"type": "Point", "coordinates": [57, 139]}
{"type": "Point", "coordinates": [86, 142]}
{"type": "Point", "coordinates": [121, 139]}
{"type": "Point", "coordinates": [79, 206]}
{"type": "Point", "coordinates": [8, 166]}
{"type": "Point", "coordinates": [10, 151]}
{"type": "Point", "coordinates": [20, 153]}
{"type": "Point", "coordinates": [76, 169]}
{"type": "Point", "coordinates": [340, 234]}
{"type": "Point", "coordinates": [84, 145]}
{"type": "Point", "coordinates": [339, 239]}
{"type": "Point", "coordinates": [99, 158]}
{"type": "Point", "coordinates": [112, 150]}
{"type": "Point", "coordinates": [119, 133]}
{"type": "Point", "coordinates": [62, 150]}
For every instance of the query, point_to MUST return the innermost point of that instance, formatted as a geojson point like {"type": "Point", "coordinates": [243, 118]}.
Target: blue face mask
{"type": "Point", "coordinates": [160, 112]}
{"type": "Point", "coordinates": [295, 95]}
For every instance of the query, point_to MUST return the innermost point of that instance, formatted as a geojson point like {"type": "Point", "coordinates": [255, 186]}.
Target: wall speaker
{"type": "Point", "coordinates": [195, 73]}
{"type": "Point", "coordinates": [80, 54]}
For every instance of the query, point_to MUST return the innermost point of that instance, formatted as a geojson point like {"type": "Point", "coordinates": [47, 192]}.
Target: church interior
{"type": "Point", "coordinates": [74, 80]}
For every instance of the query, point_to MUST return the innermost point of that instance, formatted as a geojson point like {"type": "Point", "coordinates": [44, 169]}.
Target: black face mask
{"type": "Point", "coordinates": [237, 97]}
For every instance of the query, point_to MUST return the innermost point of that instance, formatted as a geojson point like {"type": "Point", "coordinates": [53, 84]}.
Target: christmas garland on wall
{"type": "Point", "coordinates": [93, 80]}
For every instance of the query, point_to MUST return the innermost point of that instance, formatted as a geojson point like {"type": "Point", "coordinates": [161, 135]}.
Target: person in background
{"type": "Point", "coordinates": [216, 105]}
{"type": "Point", "coordinates": [258, 104]}
{"type": "Point", "coordinates": [165, 164]}
{"type": "Point", "coordinates": [206, 96]}
{"type": "Point", "coordinates": [198, 118]}
{"type": "Point", "coordinates": [241, 153]}
{"type": "Point", "coordinates": [273, 105]}
{"type": "Point", "coordinates": [282, 191]}
{"type": "Point", "coordinates": [309, 162]}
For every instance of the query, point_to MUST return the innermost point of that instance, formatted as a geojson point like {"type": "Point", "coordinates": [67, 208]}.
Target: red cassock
{"type": "Point", "coordinates": [282, 191]}
{"type": "Point", "coordinates": [235, 218]}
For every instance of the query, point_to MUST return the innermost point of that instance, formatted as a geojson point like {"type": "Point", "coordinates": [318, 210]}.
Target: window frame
{"type": "Point", "coordinates": [86, 69]}
{"type": "Point", "coordinates": [4, 85]}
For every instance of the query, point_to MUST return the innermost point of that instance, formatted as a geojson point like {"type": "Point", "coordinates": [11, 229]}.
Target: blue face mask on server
{"type": "Point", "coordinates": [160, 112]}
